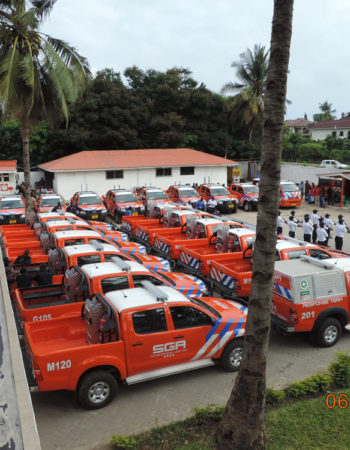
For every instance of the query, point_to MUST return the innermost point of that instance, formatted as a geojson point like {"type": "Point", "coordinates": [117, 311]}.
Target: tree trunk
{"type": "Point", "coordinates": [243, 424]}
{"type": "Point", "coordinates": [26, 162]}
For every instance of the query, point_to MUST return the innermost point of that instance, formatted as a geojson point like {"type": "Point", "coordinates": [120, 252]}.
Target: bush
{"type": "Point", "coordinates": [121, 442]}
{"type": "Point", "coordinates": [312, 385]}
{"type": "Point", "coordinates": [273, 397]}
{"type": "Point", "coordinates": [340, 370]}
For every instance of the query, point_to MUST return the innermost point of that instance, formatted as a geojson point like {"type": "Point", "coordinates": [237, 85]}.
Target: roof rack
{"type": "Point", "coordinates": [317, 262]}
{"type": "Point", "coordinates": [97, 245]}
{"type": "Point", "coordinates": [155, 291]}
{"type": "Point", "coordinates": [121, 263]}
{"type": "Point", "coordinates": [70, 220]}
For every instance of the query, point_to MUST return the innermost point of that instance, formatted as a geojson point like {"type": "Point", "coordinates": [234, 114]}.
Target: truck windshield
{"type": "Point", "coordinates": [126, 197]}
{"type": "Point", "coordinates": [9, 204]}
{"type": "Point", "coordinates": [198, 302]}
{"type": "Point", "coordinates": [89, 200]}
{"type": "Point", "coordinates": [289, 187]}
{"type": "Point", "coordinates": [52, 201]}
{"type": "Point", "coordinates": [188, 193]}
{"type": "Point", "coordinates": [251, 189]}
{"type": "Point", "coordinates": [156, 195]}
{"type": "Point", "coordinates": [219, 191]}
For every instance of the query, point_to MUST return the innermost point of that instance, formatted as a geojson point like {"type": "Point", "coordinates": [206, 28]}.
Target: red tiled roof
{"type": "Point", "coordinates": [8, 166]}
{"type": "Point", "coordinates": [333, 124]}
{"type": "Point", "coordinates": [128, 159]}
{"type": "Point", "coordinates": [298, 123]}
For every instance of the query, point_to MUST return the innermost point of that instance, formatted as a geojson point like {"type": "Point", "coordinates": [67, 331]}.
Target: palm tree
{"type": "Point", "coordinates": [39, 76]}
{"type": "Point", "coordinates": [251, 73]}
{"type": "Point", "coordinates": [243, 424]}
{"type": "Point", "coordinates": [327, 113]}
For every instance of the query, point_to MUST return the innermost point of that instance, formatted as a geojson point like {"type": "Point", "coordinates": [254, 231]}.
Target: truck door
{"type": "Point", "coordinates": [148, 342]}
{"type": "Point", "coordinates": [191, 326]}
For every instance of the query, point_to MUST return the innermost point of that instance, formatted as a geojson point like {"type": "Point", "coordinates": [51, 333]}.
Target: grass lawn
{"type": "Point", "coordinates": [303, 424]}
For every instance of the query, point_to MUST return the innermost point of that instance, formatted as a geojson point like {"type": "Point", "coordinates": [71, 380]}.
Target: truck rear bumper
{"type": "Point", "coordinates": [280, 324]}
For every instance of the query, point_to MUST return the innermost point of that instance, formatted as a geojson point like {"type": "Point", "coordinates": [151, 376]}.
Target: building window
{"type": "Point", "coordinates": [334, 134]}
{"type": "Point", "coordinates": [163, 172]}
{"type": "Point", "coordinates": [186, 170]}
{"type": "Point", "coordinates": [341, 133]}
{"type": "Point", "coordinates": [111, 174]}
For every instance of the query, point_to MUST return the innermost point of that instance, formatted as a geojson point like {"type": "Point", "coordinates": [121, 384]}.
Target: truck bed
{"type": "Point", "coordinates": [232, 279]}
{"type": "Point", "coordinates": [56, 335]}
{"type": "Point", "coordinates": [169, 241]}
{"type": "Point", "coordinates": [199, 257]}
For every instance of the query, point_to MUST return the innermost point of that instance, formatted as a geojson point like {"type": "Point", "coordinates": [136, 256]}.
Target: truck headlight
{"type": "Point", "coordinates": [104, 211]}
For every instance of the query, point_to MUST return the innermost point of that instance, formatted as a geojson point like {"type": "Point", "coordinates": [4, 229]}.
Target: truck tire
{"type": "Point", "coordinates": [247, 206]}
{"type": "Point", "coordinates": [97, 389]}
{"type": "Point", "coordinates": [231, 357]}
{"type": "Point", "coordinates": [328, 333]}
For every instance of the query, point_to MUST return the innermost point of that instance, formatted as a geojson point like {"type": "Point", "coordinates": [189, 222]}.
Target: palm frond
{"type": "Point", "coordinates": [43, 8]}
{"type": "Point", "coordinates": [8, 72]}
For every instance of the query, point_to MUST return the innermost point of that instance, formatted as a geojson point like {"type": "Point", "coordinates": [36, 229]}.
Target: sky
{"type": "Point", "coordinates": [206, 36]}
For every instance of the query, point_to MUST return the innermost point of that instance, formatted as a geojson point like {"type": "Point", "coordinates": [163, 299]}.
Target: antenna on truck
{"type": "Point", "coordinates": [317, 262]}
{"type": "Point", "coordinates": [155, 291]}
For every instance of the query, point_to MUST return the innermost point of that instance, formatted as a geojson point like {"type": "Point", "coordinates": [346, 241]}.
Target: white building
{"type": "Point", "coordinates": [337, 128]}
{"type": "Point", "coordinates": [101, 170]}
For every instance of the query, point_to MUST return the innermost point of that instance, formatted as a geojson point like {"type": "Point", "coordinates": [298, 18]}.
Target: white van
{"type": "Point", "coordinates": [332, 164]}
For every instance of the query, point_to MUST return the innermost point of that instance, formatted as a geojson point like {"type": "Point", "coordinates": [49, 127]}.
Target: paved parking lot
{"type": "Point", "coordinates": [62, 424]}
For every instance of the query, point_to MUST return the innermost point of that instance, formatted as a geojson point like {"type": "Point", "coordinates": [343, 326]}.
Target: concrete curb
{"type": "Point", "coordinates": [27, 424]}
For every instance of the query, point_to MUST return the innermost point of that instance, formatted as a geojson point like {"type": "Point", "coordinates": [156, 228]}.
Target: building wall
{"type": "Point", "coordinates": [298, 172]}
{"type": "Point", "coordinates": [68, 183]}
{"type": "Point", "coordinates": [319, 134]}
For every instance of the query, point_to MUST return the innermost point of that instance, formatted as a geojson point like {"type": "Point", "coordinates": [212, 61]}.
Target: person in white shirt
{"type": "Point", "coordinates": [328, 224]}
{"type": "Point", "coordinates": [340, 230]}
{"type": "Point", "coordinates": [307, 228]}
{"type": "Point", "coordinates": [212, 204]}
{"type": "Point", "coordinates": [280, 222]}
{"type": "Point", "coordinates": [292, 213]}
{"type": "Point", "coordinates": [315, 217]}
{"type": "Point", "coordinates": [292, 226]}
{"type": "Point", "coordinates": [322, 235]}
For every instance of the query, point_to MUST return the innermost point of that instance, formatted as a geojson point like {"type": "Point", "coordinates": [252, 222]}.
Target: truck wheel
{"type": "Point", "coordinates": [231, 357]}
{"type": "Point", "coordinates": [247, 206]}
{"type": "Point", "coordinates": [97, 389]}
{"type": "Point", "coordinates": [329, 332]}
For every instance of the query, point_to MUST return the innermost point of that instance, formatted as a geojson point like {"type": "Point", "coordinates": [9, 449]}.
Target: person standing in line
{"type": "Point", "coordinates": [313, 192]}
{"type": "Point", "coordinates": [317, 195]}
{"type": "Point", "coordinates": [329, 224]}
{"type": "Point", "coordinates": [280, 222]}
{"type": "Point", "coordinates": [307, 228]}
{"type": "Point", "coordinates": [322, 196]}
{"type": "Point", "coordinates": [322, 235]}
{"type": "Point", "coordinates": [302, 186]}
{"type": "Point", "coordinates": [292, 213]}
{"type": "Point", "coordinates": [292, 226]}
{"type": "Point", "coordinates": [212, 204]}
{"type": "Point", "coordinates": [307, 188]}
{"type": "Point", "coordinates": [340, 230]}
{"type": "Point", "coordinates": [315, 217]}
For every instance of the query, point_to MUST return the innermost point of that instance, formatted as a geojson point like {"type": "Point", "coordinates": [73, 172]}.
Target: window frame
{"type": "Point", "coordinates": [163, 171]}
{"type": "Point", "coordinates": [189, 169]}
{"type": "Point", "coordinates": [113, 174]}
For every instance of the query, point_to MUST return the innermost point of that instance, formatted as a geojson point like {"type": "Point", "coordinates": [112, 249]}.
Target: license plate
{"type": "Point", "coordinates": [95, 216]}
{"type": "Point", "coordinates": [13, 221]}
{"type": "Point", "coordinates": [134, 214]}
{"type": "Point", "coordinates": [293, 204]}
{"type": "Point", "coordinates": [230, 206]}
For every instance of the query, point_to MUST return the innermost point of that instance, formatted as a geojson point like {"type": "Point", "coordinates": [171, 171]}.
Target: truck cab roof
{"type": "Point", "coordinates": [242, 232]}
{"type": "Point", "coordinates": [88, 248]}
{"type": "Point", "coordinates": [76, 233]}
{"type": "Point", "coordinates": [341, 263]}
{"type": "Point", "coordinates": [110, 268]}
{"type": "Point", "coordinates": [138, 297]}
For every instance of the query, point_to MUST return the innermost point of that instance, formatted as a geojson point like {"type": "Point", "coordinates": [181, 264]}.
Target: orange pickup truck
{"type": "Point", "coordinates": [233, 279]}
{"type": "Point", "coordinates": [132, 336]}
{"type": "Point", "coordinates": [168, 242]}
{"type": "Point", "coordinates": [230, 245]}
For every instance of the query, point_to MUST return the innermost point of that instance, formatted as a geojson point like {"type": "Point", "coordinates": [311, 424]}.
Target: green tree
{"type": "Point", "coordinates": [327, 113]}
{"type": "Point", "coordinates": [248, 103]}
{"type": "Point", "coordinates": [39, 75]}
{"type": "Point", "coordinates": [243, 424]}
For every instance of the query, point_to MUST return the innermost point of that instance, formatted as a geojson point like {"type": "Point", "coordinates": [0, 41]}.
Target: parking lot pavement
{"type": "Point", "coordinates": [62, 424]}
